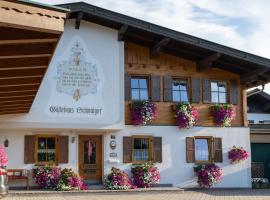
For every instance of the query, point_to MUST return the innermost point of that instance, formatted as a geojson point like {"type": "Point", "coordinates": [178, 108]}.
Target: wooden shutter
{"type": "Point", "coordinates": [206, 91]}
{"type": "Point", "coordinates": [127, 149]}
{"type": "Point", "coordinates": [167, 88]}
{"type": "Point", "coordinates": [29, 149]}
{"type": "Point", "coordinates": [190, 150]}
{"type": "Point", "coordinates": [157, 149]}
{"type": "Point", "coordinates": [155, 88]}
{"type": "Point", "coordinates": [63, 149]}
{"type": "Point", "coordinates": [217, 150]}
{"type": "Point", "coordinates": [234, 92]}
{"type": "Point", "coordinates": [196, 90]}
{"type": "Point", "coordinates": [127, 87]}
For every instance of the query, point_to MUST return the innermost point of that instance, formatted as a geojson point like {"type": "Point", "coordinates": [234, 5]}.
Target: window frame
{"type": "Point", "coordinates": [148, 83]}
{"type": "Point", "coordinates": [188, 89]}
{"type": "Point", "coordinates": [150, 150]}
{"type": "Point", "coordinates": [56, 150]}
{"type": "Point", "coordinates": [218, 92]}
{"type": "Point", "coordinates": [210, 148]}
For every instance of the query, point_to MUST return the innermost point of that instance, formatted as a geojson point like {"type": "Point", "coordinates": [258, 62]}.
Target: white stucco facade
{"type": "Point", "coordinates": [105, 54]}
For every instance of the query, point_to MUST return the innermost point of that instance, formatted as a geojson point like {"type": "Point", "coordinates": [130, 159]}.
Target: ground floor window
{"type": "Point", "coordinates": [46, 150]}
{"type": "Point", "coordinates": [142, 149]}
{"type": "Point", "coordinates": [203, 149]}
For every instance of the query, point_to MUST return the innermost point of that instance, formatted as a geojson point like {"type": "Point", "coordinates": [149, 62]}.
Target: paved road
{"type": "Point", "coordinates": [187, 195]}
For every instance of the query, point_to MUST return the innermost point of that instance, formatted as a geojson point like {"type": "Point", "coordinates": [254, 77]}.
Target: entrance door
{"type": "Point", "coordinates": [260, 154]}
{"type": "Point", "coordinates": [90, 151]}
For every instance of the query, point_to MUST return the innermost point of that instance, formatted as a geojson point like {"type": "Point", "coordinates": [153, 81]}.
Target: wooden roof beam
{"type": "Point", "coordinates": [158, 47]}
{"type": "Point", "coordinates": [24, 62]}
{"type": "Point", "coordinates": [21, 73]}
{"type": "Point", "coordinates": [122, 31]}
{"type": "Point", "coordinates": [19, 101]}
{"type": "Point", "coordinates": [78, 20]}
{"type": "Point", "coordinates": [28, 41]}
{"type": "Point", "coordinates": [253, 75]}
{"type": "Point", "coordinates": [207, 63]}
{"type": "Point", "coordinates": [20, 81]}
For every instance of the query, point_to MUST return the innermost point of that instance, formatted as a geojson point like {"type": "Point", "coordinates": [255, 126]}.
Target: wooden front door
{"type": "Point", "coordinates": [90, 162]}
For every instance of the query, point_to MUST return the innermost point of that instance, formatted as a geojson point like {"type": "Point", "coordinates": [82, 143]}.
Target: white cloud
{"type": "Point", "coordinates": [242, 24]}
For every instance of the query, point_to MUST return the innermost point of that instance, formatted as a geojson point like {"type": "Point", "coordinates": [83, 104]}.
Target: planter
{"type": "Point", "coordinates": [3, 184]}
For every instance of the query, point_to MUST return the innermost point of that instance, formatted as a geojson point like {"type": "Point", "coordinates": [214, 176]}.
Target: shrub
{"type": "Point", "coordinates": [117, 180]}
{"type": "Point", "coordinates": [208, 175]}
{"type": "Point", "coordinates": [143, 112]}
{"type": "Point", "coordinates": [47, 177]}
{"type": "Point", "coordinates": [238, 154]}
{"type": "Point", "coordinates": [186, 115]}
{"type": "Point", "coordinates": [54, 178]}
{"type": "Point", "coordinates": [223, 114]}
{"type": "Point", "coordinates": [145, 175]}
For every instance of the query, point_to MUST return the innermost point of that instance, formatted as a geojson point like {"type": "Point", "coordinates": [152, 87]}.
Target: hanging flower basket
{"type": "Point", "coordinates": [237, 154]}
{"type": "Point", "coordinates": [143, 112]}
{"type": "Point", "coordinates": [223, 114]}
{"type": "Point", "coordinates": [208, 175]}
{"type": "Point", "coordinates": [186, 115]}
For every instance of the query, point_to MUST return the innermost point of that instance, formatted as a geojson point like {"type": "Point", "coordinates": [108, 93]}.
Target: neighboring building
{"type": "Point", "coordinates": [259, 121]}
{"type": "Point", "coordinates": [105, 60]}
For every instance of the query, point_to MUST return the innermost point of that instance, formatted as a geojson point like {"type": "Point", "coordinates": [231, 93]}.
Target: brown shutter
{"type": "Point", "coordinates": [196, 90]}
{"type": "Point", "coordinates": [234, 92]}
{"type": "Point", "coordinates": [127, 87]}
{"type": "Point", "coordinates": [206, 91]}
{"type": "Point", "coordinates": [127, 149]}
{"type": "Point", "coordinates": [217, 145]}
{"type": "Point", "coordinates": [155, 88]}
{"type": "Point", "coordinates": [157, 149]}
{"type": "Point", "coordinates": [63, 149]}
{"type": "Point", "coordinates": [167, 88]}
{"type": "Point", "coordinates": [29, 149]}
{"type": "Point", "coordinates": [190, 149]}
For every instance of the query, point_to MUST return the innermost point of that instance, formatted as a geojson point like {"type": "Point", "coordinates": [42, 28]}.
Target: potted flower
{"type": "Point", "coordinates": [117, 180]}
{"type": "Point", "coordinates": [223, 114]}
{"type": "Point", "coordinates": [3, 172]}
{"type": "Point", "coordinates": [145, 175]}
{"type": "Point", "coordinates": [237, 154]}
{"type": "Point", "coordinates": [186, 115]}
{"type": "Point", "coordinates": [143, 112]}
{"type": "Point", "coordinates": [208, 175]}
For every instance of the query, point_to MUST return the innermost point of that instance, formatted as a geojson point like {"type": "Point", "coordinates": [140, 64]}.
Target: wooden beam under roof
{"type": "Point", "coordinates": [122, 31]}
{"type": "Point", "coordinates": [21, 73]}
{"type": "Point", "coordinates": [207, 63]}
{"type": "Point", "coordinates": [24, 62]}
{"type": "Point", "coordinates": [253, 75]}
{"type": "Point", "coordinates": [158, 47]}
{"type": "Point", "coordinates": [20, 81]}
{"type": "Point", "coordinates": [7, 88]}
{"type": "Point", "coordinates": [28, 41]}
{"type": "Point", "coordinates": [19, 101]}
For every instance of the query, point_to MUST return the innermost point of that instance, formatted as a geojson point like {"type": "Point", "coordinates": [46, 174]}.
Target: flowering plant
{"type": "Point", "coordinates": [186, 115]}
{"type": "Point", "coordinates": [3, 157]}
{"type": "Point", "coordinates": [223, 114]}
{"type": "Point", "coordinates": [117, 180]}
{"type": "Point", "coordinates": [238, 154]}
{"type": "Point", "coordinates": [143, 112]}
{"type": "Point", "coordinates": [55, 178]}
{"type": "Point", "coordinates": [145, 175]}
{"type": "Point", "coordinates": [70, 181]}
{"type": "Point", "coordinates": [208, 175]}
{"type": "Point", "coordinates": [47, 177]}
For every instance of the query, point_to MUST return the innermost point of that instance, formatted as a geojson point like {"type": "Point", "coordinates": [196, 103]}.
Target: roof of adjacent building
{"type": "Point", "coordinates": [254, 70]}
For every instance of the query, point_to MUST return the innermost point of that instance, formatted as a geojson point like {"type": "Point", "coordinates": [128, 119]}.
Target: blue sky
{"type": "Point", "coordinates": [242, 24]}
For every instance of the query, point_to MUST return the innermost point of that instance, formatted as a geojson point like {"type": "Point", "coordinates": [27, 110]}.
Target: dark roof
{"type": "Point", "coordinates": [254, 70]}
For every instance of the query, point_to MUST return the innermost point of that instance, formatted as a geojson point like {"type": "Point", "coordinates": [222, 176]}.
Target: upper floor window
{"type": "Point", "coordinates": [142, 149]}
{"type": "Point", "coordinates": [218, 92]}
{"type": "Point", "coordinates": [139, 88]}
{"type": "Point", "coordinates": [46, 147]}
{"type": "Point", "coordinates": [180, 90]}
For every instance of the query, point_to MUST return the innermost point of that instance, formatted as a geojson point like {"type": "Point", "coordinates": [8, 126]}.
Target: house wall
{"type": "Point", "coordinates": [138, 62]}
{"type": "Point", "coordinates": [174, 169]}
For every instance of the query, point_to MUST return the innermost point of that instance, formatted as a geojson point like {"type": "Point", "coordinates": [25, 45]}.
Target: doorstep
{"type": "Point", "coordinates": [47, 192]}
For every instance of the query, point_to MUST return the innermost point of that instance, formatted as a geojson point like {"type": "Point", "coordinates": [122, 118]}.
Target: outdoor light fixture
{"type": "Point", "coordinates": [6, 143]}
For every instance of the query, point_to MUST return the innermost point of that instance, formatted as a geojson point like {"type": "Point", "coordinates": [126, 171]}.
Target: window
{"type": "Point", "coordinates": [142, 149]}
{"type": "Point", "coordinates": [139, 88]}
{"type": "Point", "coordinates": [203, 149]}
{"type": "Point", "coordinates": [180, 90]}
{"type": "Point", "coordinates": [218, 92]}
{"type": "Point", "coordinates": [46, 149]}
